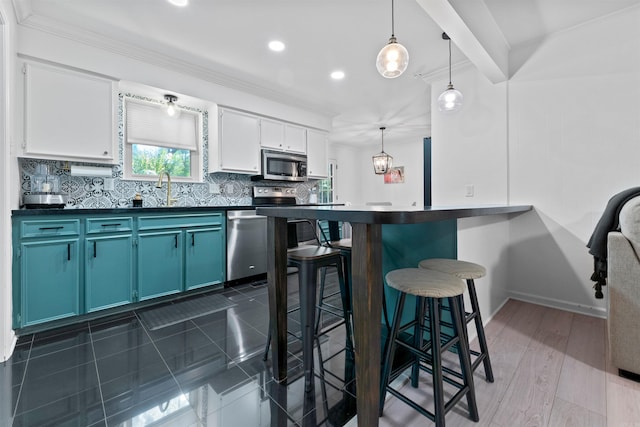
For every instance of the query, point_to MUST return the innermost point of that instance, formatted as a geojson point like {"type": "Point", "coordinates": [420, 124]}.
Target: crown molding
{"type": "Point", "coordinates": [23, 10]}
{"type": "Point", "coordinates": [151, 56]}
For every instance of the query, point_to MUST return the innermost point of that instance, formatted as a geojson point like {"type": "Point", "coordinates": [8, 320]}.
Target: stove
{"type": "Point", "coordinates": [274, 196]}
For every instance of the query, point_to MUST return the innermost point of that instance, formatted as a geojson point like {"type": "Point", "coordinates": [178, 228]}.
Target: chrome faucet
{"type": "Point", "coordinates": [170, 201]}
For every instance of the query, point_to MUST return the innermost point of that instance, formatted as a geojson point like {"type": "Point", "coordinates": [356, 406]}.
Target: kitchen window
{"type": "Point", "coordinates": [155, 142]}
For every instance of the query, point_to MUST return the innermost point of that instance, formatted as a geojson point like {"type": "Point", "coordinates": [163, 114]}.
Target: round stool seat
{"type": "Point", "coordinates": [425, 283]}
{"type": "Point", "coordinates": [463, 269]}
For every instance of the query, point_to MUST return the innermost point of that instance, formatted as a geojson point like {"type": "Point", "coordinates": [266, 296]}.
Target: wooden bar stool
{"type": "Point", "coordinates": [431, 288]}
{"type": "Point", "coordinates": [468, 271]}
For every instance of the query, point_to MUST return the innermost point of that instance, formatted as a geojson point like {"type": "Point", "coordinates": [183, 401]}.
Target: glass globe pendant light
{"type": "Point", "coordinates": [392, 59]}
{"type": "Point", "coordinates": [451, 99]}
{"type": "Point", "coordinates": [382, 162]}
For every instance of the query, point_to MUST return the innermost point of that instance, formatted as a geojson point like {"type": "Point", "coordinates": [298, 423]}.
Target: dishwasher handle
{"type": "Point", "coordinates": [235, 218]}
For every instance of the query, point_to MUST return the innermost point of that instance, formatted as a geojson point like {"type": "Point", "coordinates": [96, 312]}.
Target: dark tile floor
{"type": "Point", "coordinates": [207, 371]}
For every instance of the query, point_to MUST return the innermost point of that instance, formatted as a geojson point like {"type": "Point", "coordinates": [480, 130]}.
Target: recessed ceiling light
{"type": "Point", "coordinates": [180, 3]}
{"type": "Point", "coordinates": [276, 46]}
{"type": "Point", "coordinates": [337, 75]}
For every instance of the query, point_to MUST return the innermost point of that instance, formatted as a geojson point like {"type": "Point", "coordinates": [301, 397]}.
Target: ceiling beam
{"type": "Point", "coordinates": [474, 31]}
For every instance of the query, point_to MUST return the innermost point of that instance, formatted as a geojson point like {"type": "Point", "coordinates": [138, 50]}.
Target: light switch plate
{"type": "Point", "coordinates": [468, 190]}
{"type": "Point", "coordinates": [214, 188]}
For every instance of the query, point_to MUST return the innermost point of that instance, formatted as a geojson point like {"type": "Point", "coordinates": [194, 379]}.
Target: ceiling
{"type": "Point", "coordinates": [229, 38]}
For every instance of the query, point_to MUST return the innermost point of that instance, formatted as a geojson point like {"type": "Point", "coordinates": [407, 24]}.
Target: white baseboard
{"type": "Point", "coordinates": [559, 304]}
{"type": "Point", "coordinates": [12, 345]}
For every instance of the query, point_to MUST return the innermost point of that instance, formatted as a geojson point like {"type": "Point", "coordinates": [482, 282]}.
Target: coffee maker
{"type": "Point", "coordinates": [45, 190]}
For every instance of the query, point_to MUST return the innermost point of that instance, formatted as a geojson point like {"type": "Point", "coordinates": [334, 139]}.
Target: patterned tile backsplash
{"type": "Point", "coordinates": [89, 193]}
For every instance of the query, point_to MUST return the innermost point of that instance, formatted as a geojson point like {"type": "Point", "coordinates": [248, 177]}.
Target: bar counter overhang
{"type": "Point", "coordinates": [383, 238]}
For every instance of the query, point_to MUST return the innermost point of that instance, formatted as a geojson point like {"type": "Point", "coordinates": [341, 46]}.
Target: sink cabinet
{"type": "Point", "coordinates": [159, 264]}
{"type": "Point", "coordinates": [180, 253]}
{"type": "Point", "coordinates": [72, 264]}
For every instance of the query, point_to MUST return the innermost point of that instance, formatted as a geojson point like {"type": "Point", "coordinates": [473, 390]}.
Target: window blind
{"type": "Point", "coordinates": [149, 124]}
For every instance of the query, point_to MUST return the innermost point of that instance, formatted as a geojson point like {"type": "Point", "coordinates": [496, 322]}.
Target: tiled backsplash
{"type": "Point", "coordinates": [89, 192]}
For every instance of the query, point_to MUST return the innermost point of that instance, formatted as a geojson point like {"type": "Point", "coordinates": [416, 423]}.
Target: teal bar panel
{"type": "Point", "coordinates": [160, 264]}
{"type": "Point", "coordinates": [406, 245]}
{"type": "Point", "coordinates": [108, 271]}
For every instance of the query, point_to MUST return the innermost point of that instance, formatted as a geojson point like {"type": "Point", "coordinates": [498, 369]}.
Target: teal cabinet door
{"type": "Point", "coordinates": [205, 257]}
{"type": "Point", "coordinates": [50, 280]}
{"type": "Point", "coordinates": [159, 264]}
{"type": "Point", "coordinates": [108, 271]}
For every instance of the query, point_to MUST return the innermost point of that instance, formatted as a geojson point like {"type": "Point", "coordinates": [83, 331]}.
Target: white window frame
{"type": "Point", "coordinates": [196, 154]}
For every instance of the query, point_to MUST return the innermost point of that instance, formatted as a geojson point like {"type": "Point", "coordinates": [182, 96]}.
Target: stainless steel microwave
{"type": "Point", "coordinates": [280, 166]}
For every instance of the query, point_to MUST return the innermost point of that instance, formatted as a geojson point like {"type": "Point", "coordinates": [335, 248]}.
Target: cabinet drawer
{"type": "Point", "coordinates": [108, 225]}
{"type": "Point", "coordinates": [44, 228]}
{"type": "Point", "coordinates": [179, 221]}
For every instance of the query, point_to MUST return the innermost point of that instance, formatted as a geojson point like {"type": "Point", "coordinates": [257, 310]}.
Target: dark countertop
{"type": "Point", "coordinates": [389, 214]}
{"type": "Point", "coordinates": [126, 211]}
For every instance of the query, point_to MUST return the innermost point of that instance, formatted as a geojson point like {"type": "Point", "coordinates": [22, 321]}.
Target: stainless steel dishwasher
{"type": "Point", "coordinates": [246, 244]}
{"type": "Point", "coordinates": [247, 232]}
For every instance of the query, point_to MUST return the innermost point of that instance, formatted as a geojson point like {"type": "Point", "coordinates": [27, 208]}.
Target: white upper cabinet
{"type": "Point", "coordinates": [276, 135]}
{"type": "Point", "coordinates": [238, 148]}
{"type": "Point", "coordinates": [68, 115]}
{"type": "Point", "coordinates": [317, 163]}
{"type": "Point", "coordinates": [295, 138]}
{"type": "Point", "coordinates": [271, 134]}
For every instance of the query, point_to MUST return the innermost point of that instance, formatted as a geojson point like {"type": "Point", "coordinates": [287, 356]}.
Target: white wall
{"type": "Point", "coordinates": [407, 153]}
{"type": "Point", "coordinates": [574, 141]}
{"type": "Point", "coordinates": [470, 148]}
{"type": "Point", "coordinates": [349, 173]}
{"type": "Point", "coordinates": [358, 184]}
{"type": "Point", "coordinates": [8, 176]}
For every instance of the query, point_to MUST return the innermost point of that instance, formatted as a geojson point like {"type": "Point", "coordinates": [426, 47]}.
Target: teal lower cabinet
{"type": "Point", "coordinates": [108, 274]}
{"type": "Point", "coordinates": [68, 263]}
{"type": "Point", "coordinates": [159, 264]}
{"type": "Point", "coordinates": [49, 280]}
{"type": "Point", "coordinates": [204, 257]}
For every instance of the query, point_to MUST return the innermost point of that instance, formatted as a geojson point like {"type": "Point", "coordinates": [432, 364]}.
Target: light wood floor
{"type": "Point", "coordinates": [550, 369]}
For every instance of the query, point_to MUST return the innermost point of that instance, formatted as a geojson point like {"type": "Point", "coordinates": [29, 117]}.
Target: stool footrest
{"type": "Point", "coordinates": [447, 406]}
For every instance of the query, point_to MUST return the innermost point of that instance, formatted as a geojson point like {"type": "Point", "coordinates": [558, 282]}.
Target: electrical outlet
{"type": "Point", "coordinates": [109, 184]}
{"type": "Point", "coordinates": [228, 188]}
{"type": "Point", "coordinates": [214, 188]}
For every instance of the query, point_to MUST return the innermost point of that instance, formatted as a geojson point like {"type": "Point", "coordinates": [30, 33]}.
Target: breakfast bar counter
{"type": "Point", "coordinates": [383, 238]}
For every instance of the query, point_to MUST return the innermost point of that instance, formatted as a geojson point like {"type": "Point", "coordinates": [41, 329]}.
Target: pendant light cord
{"type": "Point", "coordinates": [449, 61]}
{"type": "Point", "coordinates": [392, 21]}
{"type": "Point", "coordinates": [382, 132]}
